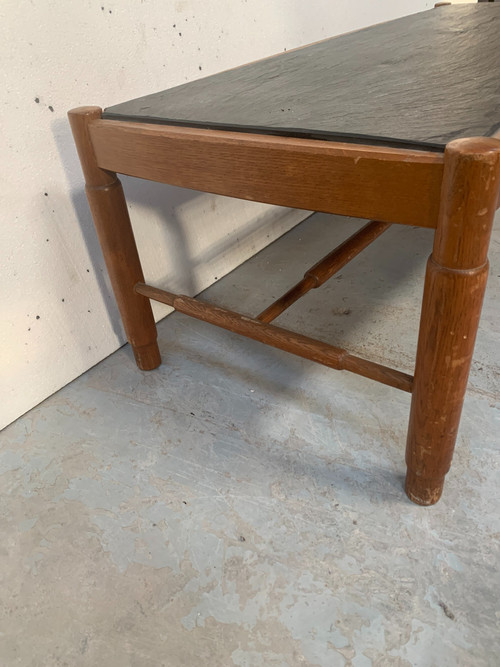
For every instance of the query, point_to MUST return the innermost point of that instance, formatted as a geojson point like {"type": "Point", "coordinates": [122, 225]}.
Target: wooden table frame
{"type": "Point", "coordinates": [456, 193]}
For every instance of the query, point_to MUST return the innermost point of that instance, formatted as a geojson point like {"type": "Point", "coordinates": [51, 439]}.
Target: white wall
{"type": "Point", "coordinates": [58, 318]}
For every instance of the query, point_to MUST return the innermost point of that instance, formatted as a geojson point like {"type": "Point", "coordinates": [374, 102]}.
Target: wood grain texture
{"type": "Point", "coordinates": [323, 270]}
{"type": "Point", "coordinates": [454, 288]}
{"type": "Point", "coordinates": [422, 80]}
{"type": "Point", "coordinates": [112, 222]}
{"type": "Point", "coordinates": [302, 346]}
{"type": "Point", "coordinates": [388, 184]}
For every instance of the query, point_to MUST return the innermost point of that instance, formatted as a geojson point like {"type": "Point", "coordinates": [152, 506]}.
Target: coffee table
{"type": "Point", "coordinates": [395, 124]}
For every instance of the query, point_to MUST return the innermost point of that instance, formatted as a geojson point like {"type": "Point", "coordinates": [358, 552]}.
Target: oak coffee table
{"type": "Point", "coordinates": [395, 124]}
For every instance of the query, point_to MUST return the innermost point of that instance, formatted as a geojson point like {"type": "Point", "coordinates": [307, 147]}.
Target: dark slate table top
{"type": "Point", "coordinates": [419, 81]}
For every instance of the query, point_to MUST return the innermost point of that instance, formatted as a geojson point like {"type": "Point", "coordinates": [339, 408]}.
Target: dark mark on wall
{"type": "Point", "coordinates": [241, 538]}
{"type": "Point", "coordinates": [88, 270]}
{"type": "Point", "coordinates": [83, 645]}
{"type": "Point", "coordinates": [37, 100]}
{"type": "Point", "coordinates": [46, 194]}
{"type": "Point", "coordinates": [51, 107]}
{"type": "Point", "coordinates": [180, 34]}
{"type": "Point", "coordinates": [447, 611]}
{"type": "Point", "coordinates": [37, 317]}
{"type": "Point", "coordinates": [62, 300]}
{"type": "Point", "coordinates": [199, 67]}
{"type": "Point", "coordinates": [47, 240]}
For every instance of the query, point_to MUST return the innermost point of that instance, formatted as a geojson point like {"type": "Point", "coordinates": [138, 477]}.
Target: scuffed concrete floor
{"type": "Point", "coordinates": [240, 506]}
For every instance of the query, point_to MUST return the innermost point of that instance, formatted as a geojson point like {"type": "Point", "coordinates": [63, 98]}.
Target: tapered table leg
{"type": "Point", "coordinates": [453, 294]}
{"type": "Point", "coordinates": [112, 222]}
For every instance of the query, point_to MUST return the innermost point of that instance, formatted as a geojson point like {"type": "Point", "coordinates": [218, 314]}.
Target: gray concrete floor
{"type": "Point", "coordinates": [241, 506]}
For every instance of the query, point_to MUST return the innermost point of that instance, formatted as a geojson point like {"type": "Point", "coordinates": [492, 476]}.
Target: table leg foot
{"type": "Point", "coordinates": [147, 357]}
{"type": "Point", "coordinates": [422, 490]}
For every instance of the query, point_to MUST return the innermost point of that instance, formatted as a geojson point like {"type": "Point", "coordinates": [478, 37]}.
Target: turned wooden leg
{"type": "Point", "coordinates": [454, 288]}
{"type": "Point", "coordinates": [112, 222]}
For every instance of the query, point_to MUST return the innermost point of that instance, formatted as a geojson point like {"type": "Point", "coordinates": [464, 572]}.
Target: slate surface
{"type": "Point", "coordinates": [421, 81]}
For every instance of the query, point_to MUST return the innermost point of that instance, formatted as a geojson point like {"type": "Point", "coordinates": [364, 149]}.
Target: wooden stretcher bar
{"type": "Point", "coordinates": [302, 346]}
{"type": "Point", "coordinates": [325, 268]}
